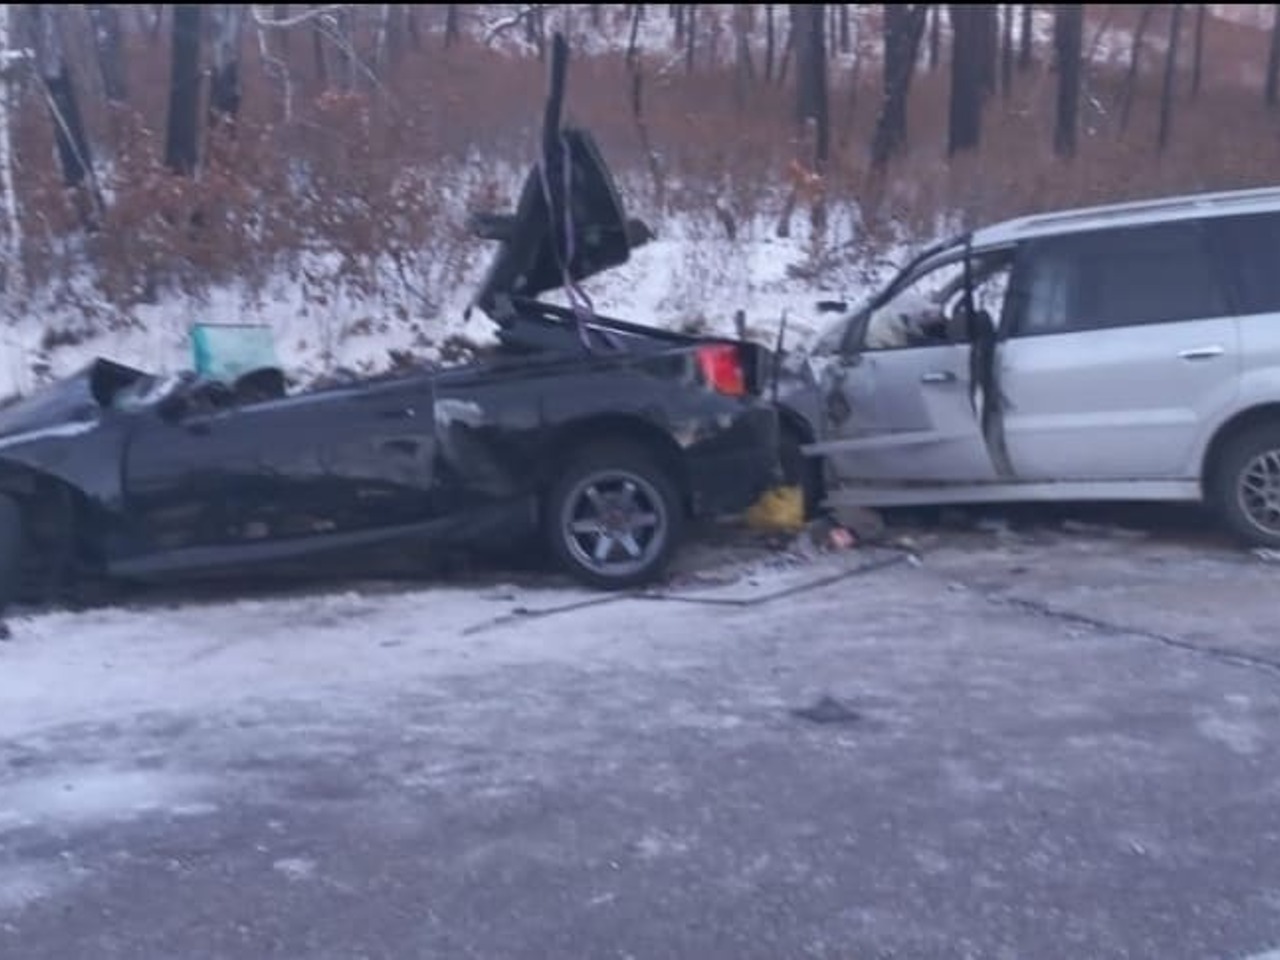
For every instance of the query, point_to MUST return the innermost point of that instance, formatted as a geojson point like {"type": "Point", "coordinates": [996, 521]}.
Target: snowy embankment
{"type": "Point", "coordinates": [692, 276]}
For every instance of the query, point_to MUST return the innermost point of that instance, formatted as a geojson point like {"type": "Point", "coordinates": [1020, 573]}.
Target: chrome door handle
{"type": "Point", "coordinates": [938, 376]}
{"type": "Point", "coordinates": [1202, 353]}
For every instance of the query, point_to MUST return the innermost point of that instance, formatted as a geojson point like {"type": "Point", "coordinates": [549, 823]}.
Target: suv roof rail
{"type": "Point", "coordinates": [1139, 211]}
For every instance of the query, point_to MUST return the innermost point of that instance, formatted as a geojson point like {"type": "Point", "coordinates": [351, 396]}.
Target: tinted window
{"type": "Point", "coordinates": [1116, 278]}
{"type": "Point", "coordinates": [1251, 249]}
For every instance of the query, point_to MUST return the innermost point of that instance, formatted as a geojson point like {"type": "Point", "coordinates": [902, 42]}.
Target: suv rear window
{"type": "Point", "coordinates": [1250, 246]}
{"type": "Point", "coordinates": [1114, 278]}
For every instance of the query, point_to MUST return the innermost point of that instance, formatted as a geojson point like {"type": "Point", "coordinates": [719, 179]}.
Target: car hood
{"type": "Point", "coordinates": [569, 222]}
{"type": "Point", "coordinates": [74, 402]}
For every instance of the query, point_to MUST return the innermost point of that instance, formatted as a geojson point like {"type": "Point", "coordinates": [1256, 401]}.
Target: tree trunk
{"type": "Point", "coordinates": [1006, 52]}
{"type": "Point", "coordinates": [788, 48]}
{"type": "Point", "coordinates": [74, 156]}
{"type": "Point", "coordinates": [935, 35]}
{"type": "Point", "coordinates": [382, 39]}
{"type": "Point", "coordinates": [224, 80]}
{"type": "Point", "coordinates": [1024, 39]}
{"type": "Point", "coordinates": [1170, 76]}
{"type": "Point", "coordinates": [411, 24]}
{"type": "Point", "coordinates": [745, 69]}
{"type": "Point", "coordinates": [988, 33]}
{"type": "Point", "coordinates": [1197, 53]}
{"type": "Point", "coordinates": [317, 49]}
{"type": "Point", "coordinates": [344, 39]}
{"type": "Point", "coordinates": [677, 10]}
{"type": "Point", "coordinates": [904, 27]}
{"type": "Point", "coordinates": [277, 65]}
{"type": "Point", "coordinates": [108, 44]}
{"type": "Point", "coordinates": [846, 35]}
{"type": "Point", "coordinates": [1135, 59]}
{"type": "Point", "coordinates": [967, 77]}
{"type": "Point", "coordinates": [768, 42]}
{"type": "Point", "coordinates": [14, 276]}
{"type": "Point", "coordinates": [633, 41]}
{"type": "Point", "coordinates": [808, 23]}
{"type": "Point", "coordinates": [182, 140]}
{"type": "Point", "coordinates": [1272, 91]}
{"type": "Point", "coordinates": [450, 25]}
{"type": "Point", "coordinates": [1068, 42]}
{"type": "Point", "coordinates": [691, 37]}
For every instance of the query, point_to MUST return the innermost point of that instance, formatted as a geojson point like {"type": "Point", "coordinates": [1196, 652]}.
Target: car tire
{"type": "Point", "coordinates": [614, 517]}
{"type": "Point", "coordinates": [1244, 487]}
{"type": "Point", "coordinates": [10, 550]}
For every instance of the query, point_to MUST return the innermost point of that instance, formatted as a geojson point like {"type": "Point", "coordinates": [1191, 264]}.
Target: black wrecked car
{"type": "Point", "coordinates": [601, 436]}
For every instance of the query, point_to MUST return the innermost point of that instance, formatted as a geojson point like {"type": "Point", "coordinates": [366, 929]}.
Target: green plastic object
{"type": "Point", "coordinates": [226, 351]}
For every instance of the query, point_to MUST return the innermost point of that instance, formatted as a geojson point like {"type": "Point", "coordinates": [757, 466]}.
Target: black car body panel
{"type": "Point", "coordinates": [447, 457]}
{"type": "Point", "coordinates": [170, 475]}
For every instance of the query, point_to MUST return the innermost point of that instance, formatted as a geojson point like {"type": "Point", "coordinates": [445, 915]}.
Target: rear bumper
{"type": "Point", "coordinates": [729, 469]}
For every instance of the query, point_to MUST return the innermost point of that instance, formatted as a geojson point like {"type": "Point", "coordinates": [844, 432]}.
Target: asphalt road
{"type": "Point", "coordinates": [1043, 747]}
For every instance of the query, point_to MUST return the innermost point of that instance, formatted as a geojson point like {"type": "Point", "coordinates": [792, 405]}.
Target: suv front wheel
{"type": "Point", "coordinates": [1245, 485]}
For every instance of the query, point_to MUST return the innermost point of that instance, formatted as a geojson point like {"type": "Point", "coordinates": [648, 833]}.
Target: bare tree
{"type": "Point", "coordinates": [225, 91]}
{"type": "Point", "coordinates": [1272, 91]}
{"type": "Point", "coordinates": [903, 29]}
{"type": "Point", "coordinates": [1170, 76]}
{"type": "Point", "coordinates": [74, 155]}
{"type": "Point", "coordinates": [967, 76]}
{"type": "Point", "coordinates": [317, 51]}
{"type": "Point", "coordinates": [745, 72]}
{"type": "Point", "coordinates": [846, 34]}
{"type": "Point", "coordinates": [768, 42]}
{"type": "Point", "coordinates": [691, 37]}
{"type": "Point", "coordinates": [1197, 51]}
{"type": "Point", "coordinates": [633, 41]}
{"type": "Point", "coordinates": [935, 35]}
{"type": "Point", "coordinates": [1068, 43]}
{"type": "Point", "coordinates": [108, 46]}
{"type": "Point", "coordinates": [987, 32]}
{"type": "Point", "coordinates": [14, 275]}
{"type": "Point", "coordinates": [808, 28]}
{"type": "Point", "coordinates": [1024, 38]}
{"type": "Point", "coordinates": [1006, 52]}
{"type": "Point", "coordinates": [1135, 59]}
{"type": "Point", "coordinates": [451, 32]}
{"type": "Point", "coordinates": [182, 139]}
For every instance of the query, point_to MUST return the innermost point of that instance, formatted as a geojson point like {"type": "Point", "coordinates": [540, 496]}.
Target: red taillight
{"type": "Point", "coordinates": [722, 369]}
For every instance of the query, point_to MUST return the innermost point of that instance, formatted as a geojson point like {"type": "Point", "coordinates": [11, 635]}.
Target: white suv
{"type": "Point", "coordinates": [1127, 352]}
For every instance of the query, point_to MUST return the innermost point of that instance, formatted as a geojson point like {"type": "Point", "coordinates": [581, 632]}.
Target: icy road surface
{"type": "Point", "coordinates": [1057, 747]}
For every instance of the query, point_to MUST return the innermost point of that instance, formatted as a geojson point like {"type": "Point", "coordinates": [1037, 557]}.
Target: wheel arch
{"type": "Point", "coordinates": [620, 427]}
{"type": "Point", "coordinates": [1238, 424]}
{"type": "Point", "coordinates": [792, 422]}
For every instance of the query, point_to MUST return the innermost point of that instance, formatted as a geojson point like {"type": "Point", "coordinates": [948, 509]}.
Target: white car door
{"type": "Point", "coordinates": [1120, 345]}
{"type": "Point", "coordinates": [896, 401]}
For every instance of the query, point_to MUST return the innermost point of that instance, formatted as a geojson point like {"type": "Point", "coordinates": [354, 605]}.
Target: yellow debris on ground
{"type": "Point", "coordinates": [779, 509]}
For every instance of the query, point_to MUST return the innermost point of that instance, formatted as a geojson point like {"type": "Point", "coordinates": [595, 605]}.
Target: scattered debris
{"type": "Point", "coordinates": [999, 526]}
{"type": "Point", "coordinates": [827, 710]}
{"type": "Point", "coordinates": [827, 534]}
{"type": "Point", "coordinates": [1267, 554]}
{"type": "Point", "coordinates": [1102, 530]}
{"type": "Point", "coordinates": [865, 524]}
{"type": "Point", "coordinates": [778, 509]}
